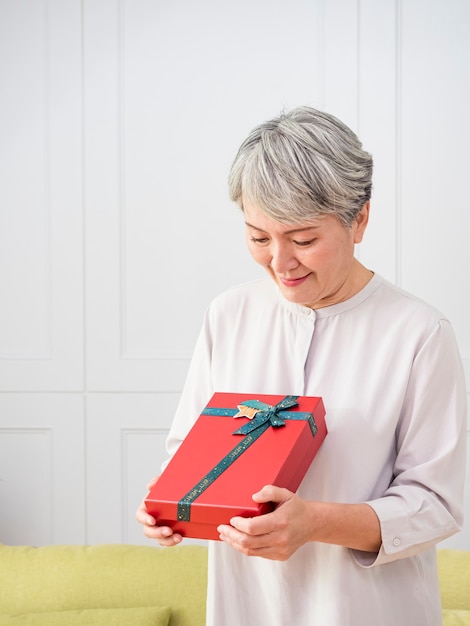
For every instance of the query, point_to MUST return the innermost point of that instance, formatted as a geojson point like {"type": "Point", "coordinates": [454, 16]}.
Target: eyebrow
{"type": "Point", "coordinates": [288, 232]}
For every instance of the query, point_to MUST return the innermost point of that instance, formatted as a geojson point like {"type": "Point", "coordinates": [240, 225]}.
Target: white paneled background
{"type": "Point", "coordinates": [118, 123]}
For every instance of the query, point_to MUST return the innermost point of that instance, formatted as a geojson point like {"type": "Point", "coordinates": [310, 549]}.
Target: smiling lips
{"type": "Point", "coordinates": [293, 282]}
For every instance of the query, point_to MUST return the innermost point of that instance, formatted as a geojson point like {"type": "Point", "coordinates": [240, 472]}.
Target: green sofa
{"type": "Point", "coordinates": [454, 577]}
{"type": "Point", "coordinates": [103, 585]}
{"type": "Point", "coordinates": [117, 585]}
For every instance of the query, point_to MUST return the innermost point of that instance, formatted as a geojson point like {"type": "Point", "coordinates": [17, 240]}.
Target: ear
{"type": "Point", "coordinates": [361, 221]}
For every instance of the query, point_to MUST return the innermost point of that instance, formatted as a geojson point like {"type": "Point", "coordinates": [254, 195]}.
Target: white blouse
{"type": "Point", "coordinates": [389, 371]}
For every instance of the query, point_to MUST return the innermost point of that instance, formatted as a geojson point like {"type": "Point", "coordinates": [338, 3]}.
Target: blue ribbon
{"type": "Point", "coordinates": [266, 416]}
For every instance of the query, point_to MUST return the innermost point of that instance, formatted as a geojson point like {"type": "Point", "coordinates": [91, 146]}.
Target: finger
{"type": "Point", "coordinates": [168, 538]}
{"type": "Point", "coordinates": [163, 534]}
{"type": "Point", "coordinates": [143, 516]}
{"type": "Point", "coordinates": [153, 482]}
{"type": "Point", "coordinates": [174, 540]}
{"type": "Point", "coordinates": [234, 537]}
{"type": "Point", "coordinates": [265, 546]}
{"type": "Point", "coordinates": [268, 522]}
{"type": "Point", "coordinates": [254, 526]}
{"type": "Point", "coordinates": [243, 532]}
{"type": "Point", "coordinates": [271, 493]}
{"type": "Point", "coordinates": [246, 544]}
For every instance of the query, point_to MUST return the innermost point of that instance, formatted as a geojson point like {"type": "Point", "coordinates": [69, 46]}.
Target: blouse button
{"type": "Point", "coordinates": [396, 542]}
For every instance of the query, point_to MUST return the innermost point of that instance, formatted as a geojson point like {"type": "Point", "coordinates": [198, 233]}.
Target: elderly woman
{"type": "Point", "coordinates": [356, 544]}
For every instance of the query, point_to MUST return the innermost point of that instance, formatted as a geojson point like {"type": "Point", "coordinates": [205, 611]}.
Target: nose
{"type": "Point", "coordinates": [283, 260]}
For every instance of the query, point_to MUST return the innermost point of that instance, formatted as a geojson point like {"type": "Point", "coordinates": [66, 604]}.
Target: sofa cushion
{"type": "Point", "coordinates": [454, 577]}
{"type": "Point", "coordinates": [455, 617]}
{"type": "Point", "coordinates": [140, 616]}
{"type": "Point", "coordinates": [65, 578]}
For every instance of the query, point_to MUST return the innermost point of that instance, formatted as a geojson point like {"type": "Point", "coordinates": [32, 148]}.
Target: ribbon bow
{"type": "Point", "coordinates": [264, 413]}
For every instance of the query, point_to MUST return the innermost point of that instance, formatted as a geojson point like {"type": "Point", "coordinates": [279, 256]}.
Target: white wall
{"type": "Point", "coordinates": [119, 121]}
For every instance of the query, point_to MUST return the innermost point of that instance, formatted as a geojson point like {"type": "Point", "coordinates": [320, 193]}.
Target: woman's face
{"type": "Point", "coordinates": [312, 263]}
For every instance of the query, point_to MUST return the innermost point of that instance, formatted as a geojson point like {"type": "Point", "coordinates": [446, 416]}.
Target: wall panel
{"type": "Point", "coordinates": [40, 197]}
{"type": "Point", "coordinates": [434, 104]}
{"type": "Point", "coordinates": [169, 94]}
{"type": "Point", "coordinates": [42, 469]}
{"type": "Point", "coordinates": [377, 125]}
{"type": "Point", "coordinates": [125, 448]}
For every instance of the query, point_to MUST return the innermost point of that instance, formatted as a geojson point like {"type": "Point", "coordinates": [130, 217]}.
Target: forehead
{"type": "Point", "coordinates": [257, 219]}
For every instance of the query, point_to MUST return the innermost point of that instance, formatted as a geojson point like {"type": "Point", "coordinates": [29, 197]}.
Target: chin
{"type": "Point", "coordinates": [292, 297]}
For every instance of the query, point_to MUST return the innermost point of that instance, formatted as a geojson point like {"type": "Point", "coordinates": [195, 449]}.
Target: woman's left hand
{"type": "Point", "coordinates": [276, 535]}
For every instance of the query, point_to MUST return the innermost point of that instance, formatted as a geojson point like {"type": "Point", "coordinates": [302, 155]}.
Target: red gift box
{"type": "Point", "coordinates": [217, 468]}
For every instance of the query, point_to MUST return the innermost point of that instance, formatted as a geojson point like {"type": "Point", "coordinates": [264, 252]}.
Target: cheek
{"type": "Point", "coordinates": [322, 259]}
{"type": "Point", "coordinates": [259, 255]}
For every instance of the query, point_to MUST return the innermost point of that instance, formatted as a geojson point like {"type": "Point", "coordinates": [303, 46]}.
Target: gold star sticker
{"type": "Point", "coordinates": [246, 411]}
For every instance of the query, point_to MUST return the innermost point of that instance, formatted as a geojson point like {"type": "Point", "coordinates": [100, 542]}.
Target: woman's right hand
{"type": "Point", "coordinates": [163, 534]}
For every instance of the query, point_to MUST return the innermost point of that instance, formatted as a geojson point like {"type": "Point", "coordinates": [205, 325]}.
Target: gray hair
{"type": "Point", "coordinates": [302, 165]}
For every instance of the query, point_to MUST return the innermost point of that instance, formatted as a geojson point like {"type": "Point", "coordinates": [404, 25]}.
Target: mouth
{"type": "Point", "coordinates": [293, 282]}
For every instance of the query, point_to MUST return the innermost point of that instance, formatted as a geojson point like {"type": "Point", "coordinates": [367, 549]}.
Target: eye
{"type": "Point", "coordinates": [304, 244]}
{"type": "Point", "coordinates": [259, 239]}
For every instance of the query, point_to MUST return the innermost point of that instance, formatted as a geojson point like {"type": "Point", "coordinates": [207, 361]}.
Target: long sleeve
{"type": "Point", "coordinates": [423, 504]}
